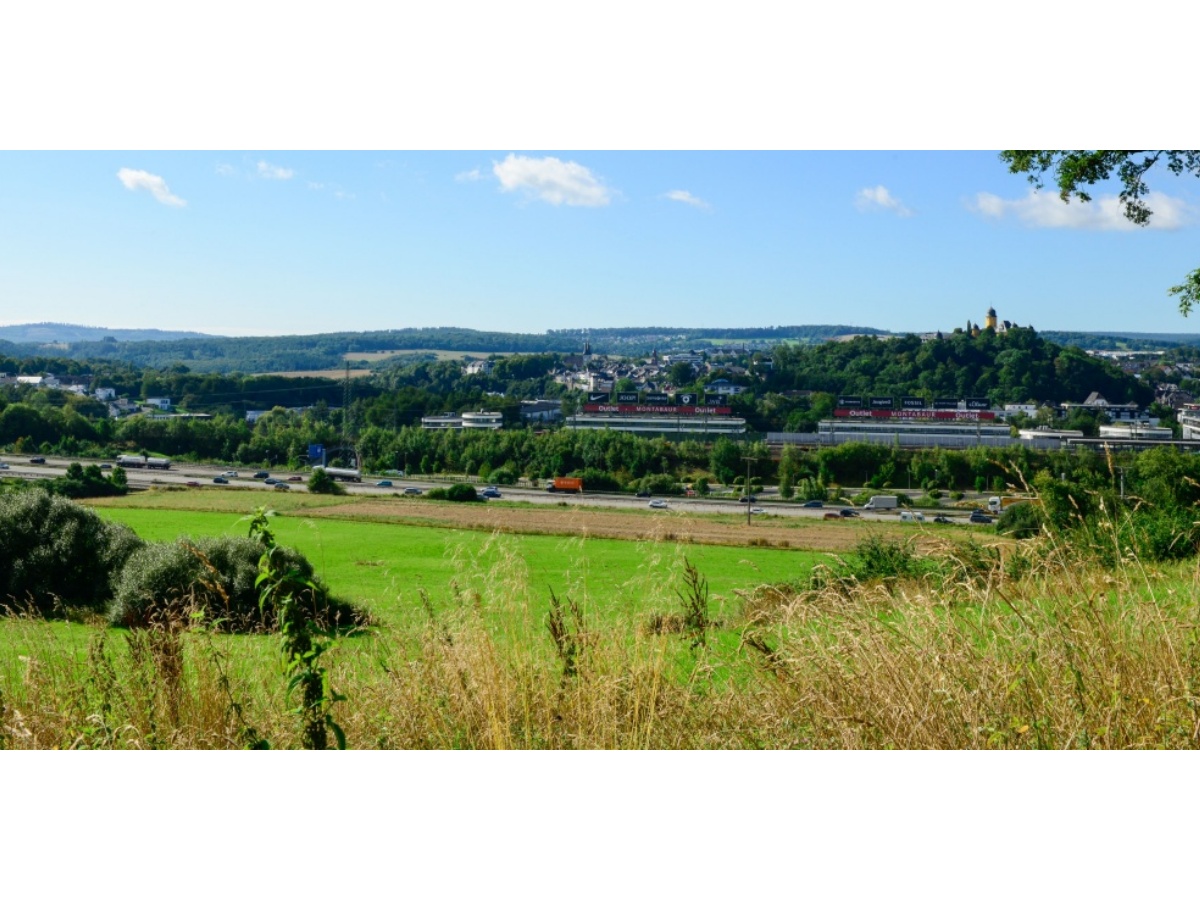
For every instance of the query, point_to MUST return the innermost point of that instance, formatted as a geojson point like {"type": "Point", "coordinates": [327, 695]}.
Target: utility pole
{"type": "Point", "coordinates": [746, 491]}
{"type": "Point", "coordinates": [346, 408]}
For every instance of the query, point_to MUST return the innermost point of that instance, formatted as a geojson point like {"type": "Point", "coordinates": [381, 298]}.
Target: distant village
{"type": "Point", "coordinates": [638, 395]}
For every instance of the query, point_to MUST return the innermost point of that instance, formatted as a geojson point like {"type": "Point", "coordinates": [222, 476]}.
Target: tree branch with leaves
{"type": "Point", "coordinates": [1074, 171]}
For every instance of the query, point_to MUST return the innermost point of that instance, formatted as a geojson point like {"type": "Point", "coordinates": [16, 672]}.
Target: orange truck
{"type": "Point", "coordinates": [566, 486]}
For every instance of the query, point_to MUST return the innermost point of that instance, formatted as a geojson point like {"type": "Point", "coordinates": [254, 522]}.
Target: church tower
{"type": "Point", "coordinates": [990, 320]}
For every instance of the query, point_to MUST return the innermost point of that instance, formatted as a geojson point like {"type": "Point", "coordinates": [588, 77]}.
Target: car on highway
{"type": "Point", "coordinates": [980, 518]}
{"type": "Point", "coordinates": [261, 475]}
{"type": "Point", "coordinates": [294, 478]}
{"type": "Point", "coordinates": [814, 504]}
{"type": "Point", "coordinates": [270, 480]}
{"type": "Point", "coordinates": [751, 499]}
{"type": "Point", "coordinates": [643, 494]}
{"type": "Point", "coordinates": [220, 480]}
{"type": "Point", "coordinates": [230, 474]}
{"type": "Point", "coordinates": [106, 465]}
{"type": "Point", "coordinates": [412, 490]}
{"type": "Point", "coordinates": [384, 483]}
{"type": "Point", "coordinates": [492, 493]}
{"type": "Point", "coordinates": [943, 520]}
{"type": "Point", "coordinates": [906, 516]}
{"type": "Point", "coordinates": [3, 465]}
{"type": "Point", "coordinates": [657, 504]}
{"type": "Point", "coordinates": [37, 460]}
{"type": "Point", "coordinates": [757, 510]}
{"type": "Point", "coordinates": [848, 513]}
{"type": "Point", "coordinates": [280, 486]}
{"type": "Point", "coordinates": [192, 483]}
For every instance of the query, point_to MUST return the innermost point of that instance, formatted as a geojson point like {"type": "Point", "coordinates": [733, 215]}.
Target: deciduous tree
{"type": "Point", "coordinates": [1074, 171]}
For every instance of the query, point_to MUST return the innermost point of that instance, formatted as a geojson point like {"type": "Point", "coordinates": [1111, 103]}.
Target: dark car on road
{"type": "Point", "coordinates": [980, 518]}
{"type": "Point", "coordinates": [942, 520]}
{"type": "Point", "coordinates": [220, 480]}
{"type": "Point", "coordinates": [262, 474]}
{"type": "Point", "coordinates": [38, 459]}
{"type": "Point", "coordinates": [848, 513]}
{"type": "Point", "coordinates": [813, 504]}
{"type": "Point", "coordinates": [412, 490]}
{"type": "Point", "coordinates": [750, 499]}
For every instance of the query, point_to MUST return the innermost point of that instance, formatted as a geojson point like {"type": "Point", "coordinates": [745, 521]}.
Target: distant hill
{"type": "Point", "coordinates": [289, 353]}
{"type": "Point", "coordinates": [152, 348]}
{"type": "Point", "coordinates": [60, 333]}
{"type": "Point", "coordinates": [1121, 340]}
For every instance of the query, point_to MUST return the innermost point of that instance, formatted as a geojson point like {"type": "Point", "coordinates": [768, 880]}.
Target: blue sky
{"type": "Point", "coordinates": [278, 242]}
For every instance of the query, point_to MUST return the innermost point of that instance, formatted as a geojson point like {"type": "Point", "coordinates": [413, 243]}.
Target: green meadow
{"type": "Point", "coordinates": [384, 566]}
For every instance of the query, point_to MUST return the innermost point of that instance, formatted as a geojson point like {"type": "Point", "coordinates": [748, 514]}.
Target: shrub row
{"type": "Point", "coordinates": [57, 556]}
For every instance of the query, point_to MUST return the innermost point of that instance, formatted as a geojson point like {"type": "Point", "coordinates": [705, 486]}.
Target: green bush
{"type": "Point", "coordinates": [55, 553]}
{"type": "Point", "coordinates": [1157, 535]}
{"type": "Point", "coordinates": [504, 475]}
{"type": "Point", "coordinates": [82, 482]}
{"type": "Point", "coordinates": [598, 480]}
{"type": "Point", "coordinates": [1021, 520]}
{"type": "Point", "coordinates": [320, 482]}
{"type": "Point", "coordinates": [215, 576]}
{"type": "Point", "coordinates": [462, 493]}
{"type": "Point", "coordinates": [658, 484]}
{"type": "Point", "coordinates": [874, 559]}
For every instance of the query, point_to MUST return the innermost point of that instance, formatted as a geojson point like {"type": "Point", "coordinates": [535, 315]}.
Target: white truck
{"type": "Point", "coordinates": [340, 474]}
{"type": "Point", "coordinates": [881, 501]}
{"type": "Point", "coordinates": [997, 505]}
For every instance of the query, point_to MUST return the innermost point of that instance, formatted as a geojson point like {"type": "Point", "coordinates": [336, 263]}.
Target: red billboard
{"type": "Point", "coordinates": [643, 409]}
{"type": "Point", "coordinates": [917, 415]}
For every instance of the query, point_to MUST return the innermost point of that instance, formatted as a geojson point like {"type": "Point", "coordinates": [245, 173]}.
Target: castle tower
{"type": "Point", "coordinates": [989, 320]}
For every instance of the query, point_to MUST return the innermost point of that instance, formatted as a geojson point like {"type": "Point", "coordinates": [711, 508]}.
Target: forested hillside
{"type": "Point", "coordinates": [1014, 367]}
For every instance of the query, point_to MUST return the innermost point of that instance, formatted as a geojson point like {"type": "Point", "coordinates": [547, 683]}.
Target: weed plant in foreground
{"type": "Point", "coordinates": [969, 649]}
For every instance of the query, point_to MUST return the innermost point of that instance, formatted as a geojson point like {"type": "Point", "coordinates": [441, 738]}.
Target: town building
{"type": "Point", "coordinates": [541, 410]}
{"type": "Point", "coordinates": [481, 420]}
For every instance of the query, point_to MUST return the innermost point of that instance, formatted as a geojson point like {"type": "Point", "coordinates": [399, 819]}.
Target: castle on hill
{"type": "Point", "coordinates": [990, 320]}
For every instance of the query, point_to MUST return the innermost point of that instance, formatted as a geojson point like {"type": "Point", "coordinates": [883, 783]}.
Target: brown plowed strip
{"type": "Point", "coordinates": [590, 522]}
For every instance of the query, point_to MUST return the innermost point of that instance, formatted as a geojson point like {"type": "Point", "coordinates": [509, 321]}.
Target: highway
{"type": "Point", "coordinates": [200, 476]}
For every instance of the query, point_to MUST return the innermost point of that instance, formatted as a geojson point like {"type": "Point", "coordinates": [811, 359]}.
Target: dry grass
{"type": "Point", "coordinates": [1039, 649]}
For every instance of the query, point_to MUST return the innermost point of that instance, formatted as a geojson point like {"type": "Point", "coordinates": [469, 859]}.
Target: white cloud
{"type": "Point", "coordinates": [552, 180]}
{"type": "Point", "coordinates": [880, 197]}
{"type": "Point", "coordinates": [1039, 209]}
{"type": "Point", "coordinates": [278, 173]}
{"type": "Point", "coordinates": [140, 180]}
{"type": "Point", "coordinates": [688, 198]}
{"type": "Point", "coordinates": [226, 170]}
{"type": "Point", "coordinates": [473, 175]}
